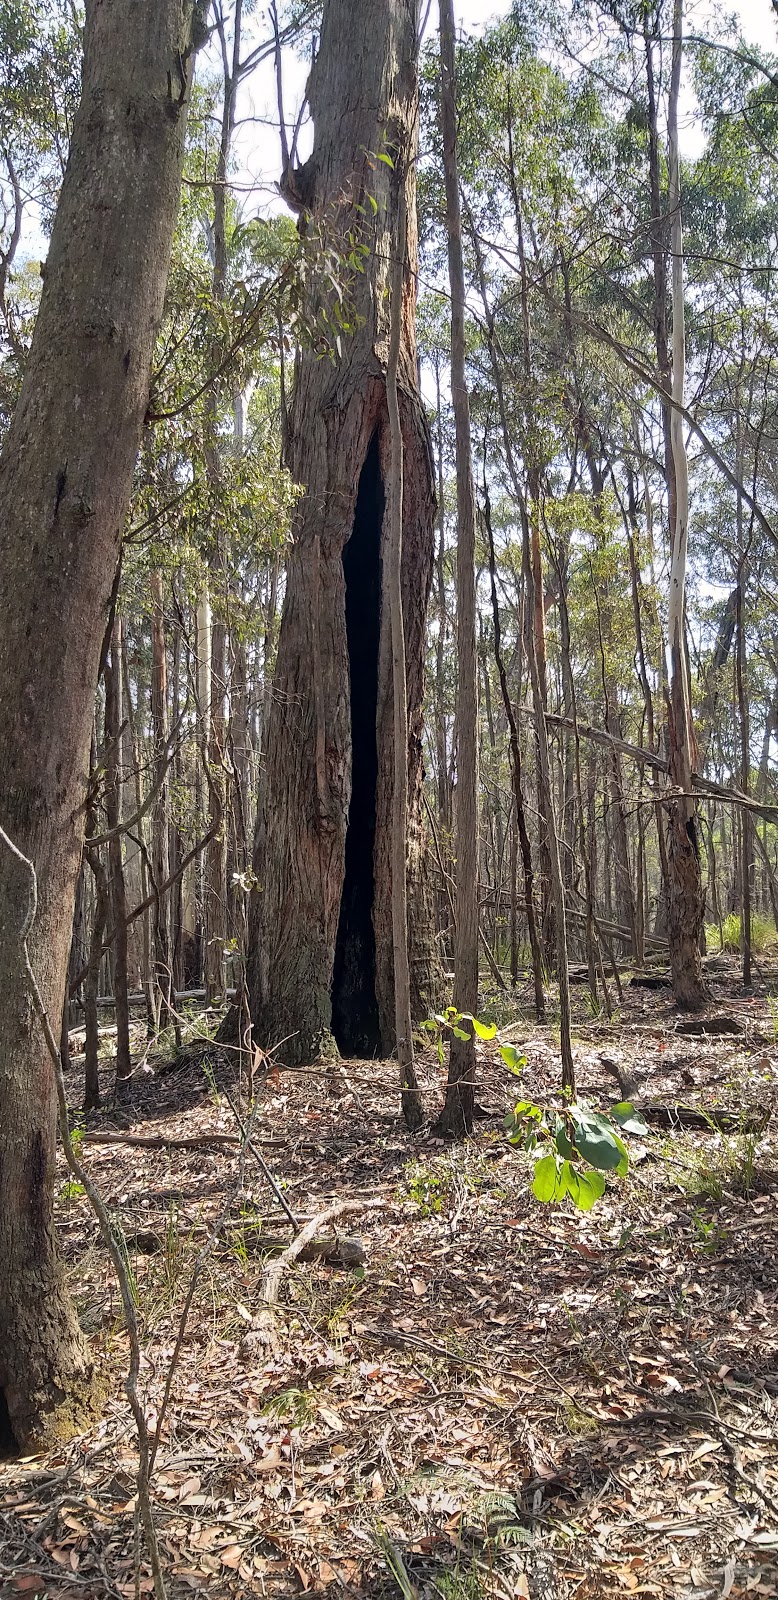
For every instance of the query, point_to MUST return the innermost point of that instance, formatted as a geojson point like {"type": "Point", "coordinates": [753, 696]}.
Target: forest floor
{"type": "Point", "coordinates": [506, 1399]}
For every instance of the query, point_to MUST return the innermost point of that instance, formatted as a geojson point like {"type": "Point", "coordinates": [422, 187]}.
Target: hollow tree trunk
{"type": "Point", "coordinates": [65, 480]}
{"type": "Point", "coordinates": [320, 946]}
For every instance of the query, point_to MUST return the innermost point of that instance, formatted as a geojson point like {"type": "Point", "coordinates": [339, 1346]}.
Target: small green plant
{"type": "Point", "coordinates": [172, 1253]}
{"type": "Point", "coordinates": [294, 1406]}
{"type": "Point", "coordinates": [728, 1166]}
{"type": "Point", "coordinates": [427, 1187]}
{"type": "Point", "coordinates": [71, 1190]}
{"type": "Point", "coordinates": [444, 1025]}
{"type": "Point", "coordinates": [210, 1078]}
{"type": "Point", "coordinates": [502, 1519]}
{"type": "Point", "coordinates": [394, 1561]}
{"type": "Point", "coordinates": [574, 1147]}
{"type": "Point", "coordinates": [710, 1234]}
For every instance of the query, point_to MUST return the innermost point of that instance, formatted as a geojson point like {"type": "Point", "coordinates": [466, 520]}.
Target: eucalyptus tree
{"type": "Point", "coordinates": [65, 481]}
{"type": "Point", "coordinates": [320, 957]}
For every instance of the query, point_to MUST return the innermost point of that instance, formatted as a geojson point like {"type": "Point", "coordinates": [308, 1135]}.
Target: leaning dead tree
{"type": "Point", "coordinates": [320, 959]}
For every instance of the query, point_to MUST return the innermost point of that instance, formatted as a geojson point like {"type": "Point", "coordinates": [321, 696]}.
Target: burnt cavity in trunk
{"type": "Point", "coordinates": [355, 1024]}
{"type": "Point", "coordinates": [8, 1445]}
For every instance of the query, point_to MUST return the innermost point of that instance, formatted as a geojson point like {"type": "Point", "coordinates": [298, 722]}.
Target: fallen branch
{"type": "Point", "coordinates": [271, 1282]}
{"type": "Point", "coordinates": [200, 1141]}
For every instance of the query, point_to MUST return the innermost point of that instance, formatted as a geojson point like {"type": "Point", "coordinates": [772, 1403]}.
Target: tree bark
{"type": "Point", "coordinates": [320, 965]}
{"type": "Point", "coordinates": [685, 878]}
{"type": "Point", "coordinates": [457, 1116]}
{"type": "Point", "coordinates": [65, 480]}
{"type": "Point", "coordinates": [409, 1090]}
{"type": "Point", "coordinates": [112, 677]}
{"type": "Point", "coordinates": [160, 840]}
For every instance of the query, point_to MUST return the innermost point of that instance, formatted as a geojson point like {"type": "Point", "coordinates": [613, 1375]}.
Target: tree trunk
{"type": "Point", "coordinates": [320, 963]}
{"type": "Point", "coordinates": [685, 879]}
{"type": "Point", "coordinates": [518, 793]}
{"type": "Point", "coordinates": [65, 480]}
{"type": "Point", "coordinates": [409, 1090]}
{"type": "Point", "coordinates": [457, 1116]}
{"type": "Point", "coordinates": [112, 677]}
{"type": "Point", "coordinates": [160, 841]}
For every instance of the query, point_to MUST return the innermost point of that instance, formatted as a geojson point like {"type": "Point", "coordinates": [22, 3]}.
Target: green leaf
{"type": "Point", "coordinates": [514, 1060]}
{"type": "Point", "coordinates": [545, 1181]}
{"type": "Point", "coordinates": [595, 1141]}
{"type": "Point", "coordinates": [525, 1108]}
{"type": "Point", "coordinates": [628, 1118]}
{"type": "Point", "coordinates": [484, 1030]}
{"type": "Point", "coordinates": [459, 1033]}
{"type": "Point", "coordinates": [563, 1143]}
{"type": "Point", "coordinates": [623, 1167]}
{"type": "Point", "coordinates": [584, 1188]}
{"type": "Point", "coordinates": [387, 160]}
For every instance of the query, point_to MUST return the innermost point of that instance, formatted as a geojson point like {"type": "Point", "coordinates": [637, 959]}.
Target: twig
{"type": "Point", "coordinates": [109, 1237]}
{"type": "Point", "coordinates": [202, 1258]}
{"type": "Point", "coordinates": [263, 1166]}
{"type": "Point", "coordinates": [397, 1337]}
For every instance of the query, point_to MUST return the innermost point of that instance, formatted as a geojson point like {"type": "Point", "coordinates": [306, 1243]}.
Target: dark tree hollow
{"type": "Point", "coordinates": [8, 1444]}
{"type": "Point", "coordinates": [355, 1017]}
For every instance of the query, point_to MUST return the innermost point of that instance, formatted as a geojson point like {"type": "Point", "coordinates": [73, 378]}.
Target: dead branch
{"type": "Point", "coordinates": [273, 1274]}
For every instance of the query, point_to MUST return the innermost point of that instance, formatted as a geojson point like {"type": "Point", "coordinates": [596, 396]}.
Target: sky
{"type": "Point", "coordinates": [258, 143]}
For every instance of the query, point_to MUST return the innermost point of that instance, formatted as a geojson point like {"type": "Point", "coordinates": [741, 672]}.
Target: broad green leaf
{"type": "Point", "coordinates": [584, 1188]}
{"type": "Point", "coordinates": [563, 1143]}
{"type": "Point", "coordinates": [514, 1060]}
{"type": "Point", "coordinates": [526, 1108]}
{"type": "Point", "coordinates": [595, 1141]}
{"type": "Point", "coordinates": [459, 1033]}
{"type": "Point", "coordinates": [545, 1182]}
{"type": "Point", "coordinates": [484, 1030]}
{"type": "Point", "coordinates": [623, 1167]}
{"type": "Point", "coordinates": [628, 1118]}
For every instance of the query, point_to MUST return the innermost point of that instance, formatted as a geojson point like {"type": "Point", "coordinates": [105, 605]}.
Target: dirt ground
{"type": "Point", "coordinates": [503, 1399]}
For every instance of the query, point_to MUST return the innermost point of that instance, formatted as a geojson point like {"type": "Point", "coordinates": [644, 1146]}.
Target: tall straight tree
{"type": "Point", "coordinates": [683, 849]}
{"type": "Point", "coordinates": [457, 1116]}
{"type": "Point", "coordinates": [320, 963]}
{"type": "Point", "coordinates": [65, 480]}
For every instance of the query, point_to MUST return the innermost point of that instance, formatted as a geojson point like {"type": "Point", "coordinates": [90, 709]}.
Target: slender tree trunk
{"type": "Point", "coordinates": [409, 1090]}
{"type": "Point", "coordinates": [113, 810]}
{"type": "Point", "coordinates": [65, 480]}
{"type": "Point", "coordinates": [457, 1116]}
{"type": "Point", "coordinates": [518, 793]}
{"type": "Point", "coordinates": [686, 898]}
{"type": "Point", "coordinates": [547, 798]}
{"type": "Point", "coordinates": [160, 845]}
{"type": "Point", "coordinates": [444, 791]}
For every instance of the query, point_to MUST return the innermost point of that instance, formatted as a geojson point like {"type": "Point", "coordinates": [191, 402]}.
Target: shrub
{"type": "Point", "coordinates": [763, 934]}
